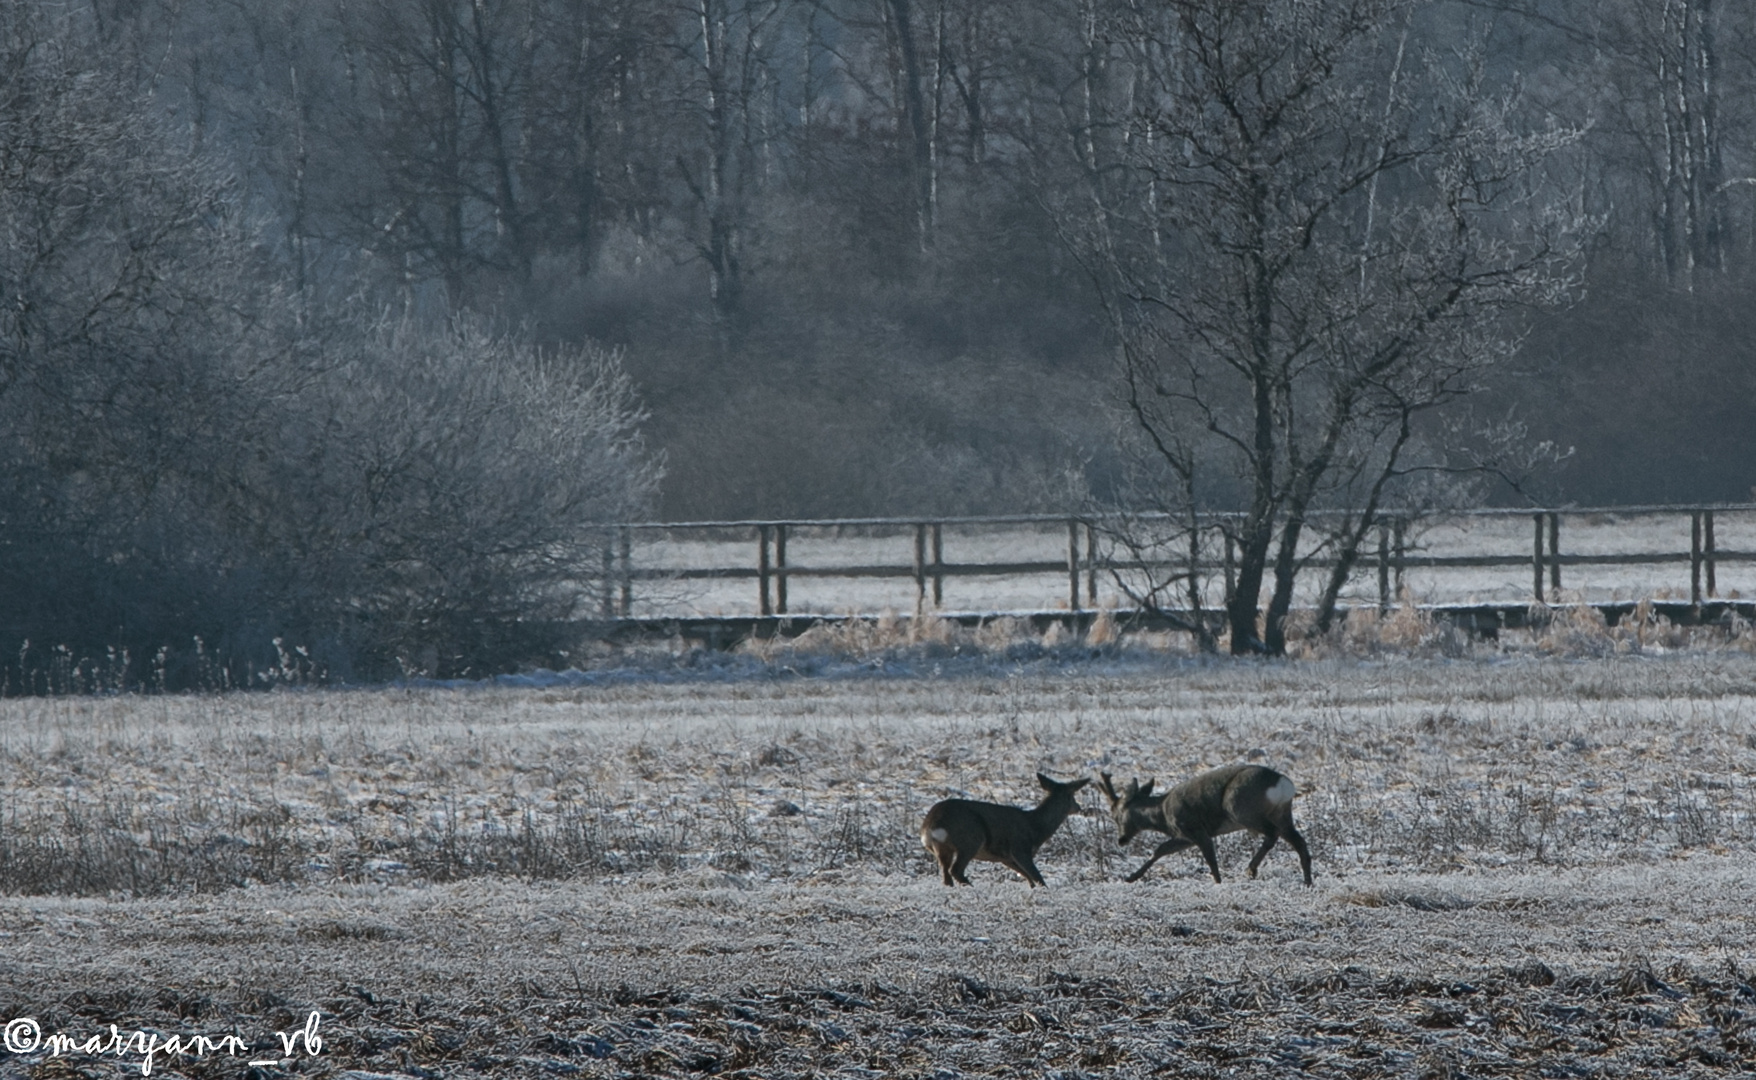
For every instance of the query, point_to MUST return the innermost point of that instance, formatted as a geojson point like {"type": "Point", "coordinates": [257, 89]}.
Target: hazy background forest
{"type": "Point", "coordinates": [298, 289]}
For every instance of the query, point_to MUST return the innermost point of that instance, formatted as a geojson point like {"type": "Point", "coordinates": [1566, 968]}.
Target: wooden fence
{"type": "Point", "coordinates": [1090, 567]}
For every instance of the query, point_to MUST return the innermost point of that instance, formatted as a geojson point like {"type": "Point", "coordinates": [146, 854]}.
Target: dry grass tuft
{"type": "Point", "coordinates": [1405, 630]}
{"type": "Point", "coordinates": [1378, 898]}
{"type": "Point", "coordinates": [1568, 628]}
{"type": "Point", "coordinates": [891, 636]}
{"type": "Point", "coordinates": [1002, 634]}
{"type": "Point", "coordinates": [1103, 629]}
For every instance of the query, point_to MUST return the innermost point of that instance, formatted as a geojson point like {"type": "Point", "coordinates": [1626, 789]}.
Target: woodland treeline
{"type": "Point", "coordinates": [828, 223]}
{"type": "Point", "coordinates": [297, 290]}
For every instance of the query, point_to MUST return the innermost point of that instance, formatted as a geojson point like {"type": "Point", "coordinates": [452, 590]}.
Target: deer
{"type": "Point", "coordinates": [957, 831]}
{"type": "Point", "coordinates": [1219, 801]}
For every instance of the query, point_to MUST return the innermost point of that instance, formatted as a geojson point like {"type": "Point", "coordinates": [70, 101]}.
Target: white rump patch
{"type": "Point", "coordinates": [939, 836]}
{"type": "Point", "coordinates": [1281, 793]}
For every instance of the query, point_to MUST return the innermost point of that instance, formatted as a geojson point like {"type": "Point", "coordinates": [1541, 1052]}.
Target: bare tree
{"type": "Point", "coordinates": [598, 96]}
{"type": "Point", "coordinates": [451, 494]}
{"type": "Point", "coordinates": [1343, 250]}
{"type": "Point", "coordinates": [144, 338]}
{"type": "Point", "coordinates": [1663, 85]}
{"type": "Point", "coordinates": [438, 98]}
{"type": "Point", "coordinates": [1683, 71]}
{"type": "Point", "coordinates": [728, 50]}
{"type": "Point", "coordinates": [189, 453]}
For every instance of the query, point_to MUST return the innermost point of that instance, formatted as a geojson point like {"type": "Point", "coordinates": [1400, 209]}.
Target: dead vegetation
{"type": "Point", "coordinates": [1406, 766]}
{"type": "Point", "coordinates": [1619, 974]}
{"type": "Point", "coordinates": [1626, 1020]}
{"type": "Point", "coordinates": [1522, 862]}
{"type": "Point", "coordinates": [1568, 628]}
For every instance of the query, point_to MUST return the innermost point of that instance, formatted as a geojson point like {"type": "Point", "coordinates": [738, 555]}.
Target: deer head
{"type": "Point", "coordinates": [1128, 809]}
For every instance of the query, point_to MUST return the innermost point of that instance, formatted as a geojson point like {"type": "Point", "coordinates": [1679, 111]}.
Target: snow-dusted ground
{"type": "Point", "coordinates": [1522, 866]}
{"type": "Point", "coordinates": [1402, 765]}
{"type": "Point", "coordinates": [1503, 535]}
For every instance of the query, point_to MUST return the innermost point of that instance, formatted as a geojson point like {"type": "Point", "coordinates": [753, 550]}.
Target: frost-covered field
{"type": "Point", "coordinates": [1523, 866]}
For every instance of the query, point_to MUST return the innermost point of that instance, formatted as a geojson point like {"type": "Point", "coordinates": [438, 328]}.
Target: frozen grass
{"type": "Point", "coordinates": [1403, 765]}
{"type": "Point", "coordinates": [1630, 972]}
{"type": "Point", "coordinates": [1523, 865]}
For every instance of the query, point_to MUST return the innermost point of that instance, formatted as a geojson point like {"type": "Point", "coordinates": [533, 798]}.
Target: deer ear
{"type": "Point", "coordinates": [1147, 790]}
{"type": "Point", "coordinates": [1048, 785]}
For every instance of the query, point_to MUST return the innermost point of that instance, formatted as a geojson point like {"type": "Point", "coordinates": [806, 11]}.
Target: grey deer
{"type": "Point", "coordinates": [1220, 801]}
{"type": "Point", "coordinates": [959, 830]}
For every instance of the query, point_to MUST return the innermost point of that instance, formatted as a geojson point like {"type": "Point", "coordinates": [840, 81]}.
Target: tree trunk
{"type": "Point", "coordinates": [1348, 549]}
{"type": "Point", "coordinates": [1253, 544]}
{"type": "Point", "coordinates": [507, 214]}
{"type": "Point", "coordinates": [724, 280]}
{"type": "Point", "coordinates": [915, 114]}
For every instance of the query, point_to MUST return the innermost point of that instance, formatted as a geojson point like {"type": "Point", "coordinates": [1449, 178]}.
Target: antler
{"type": "Point", "coordinates": [1109, 788]}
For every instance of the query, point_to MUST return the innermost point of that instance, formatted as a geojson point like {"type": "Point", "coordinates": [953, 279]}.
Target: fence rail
{"type": "Point", "coordinates": [648, 566]}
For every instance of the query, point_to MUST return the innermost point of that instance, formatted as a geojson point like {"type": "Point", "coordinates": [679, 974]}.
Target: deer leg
{"type": "Point", "coordinates": [959, 866]}
{"type": "Point", "coordinates": [1269, 836]}
{"type": "Point", "coordinates": [1025, 865]}
{"type": "Point", "coordinates": [1298, 843]}
{"type": "Point", "coordinates": [1019, 863]}
{"type": "Point", "coordinates": [1011, 864]}
{"type": "Point", "coordinates": [945, 856]}
{"type": "Point", "coordinates": [1211, 856]}
{"type": "Point", "coordinates": [1169, 847]}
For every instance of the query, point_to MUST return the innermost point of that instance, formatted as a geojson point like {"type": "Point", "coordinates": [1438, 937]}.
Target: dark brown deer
{"type": "Point", "coordinates": [959, 830]}
{"type": "Point", "coordinates": [1220, 801]}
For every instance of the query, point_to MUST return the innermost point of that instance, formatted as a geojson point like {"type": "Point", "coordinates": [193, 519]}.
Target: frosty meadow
{"type": "Point", "coordinates": [1527, 865]}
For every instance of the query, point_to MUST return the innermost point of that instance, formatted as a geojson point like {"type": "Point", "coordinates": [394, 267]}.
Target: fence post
{"type": "Point", "coordinates": [1072, 565]}
{"type": "Point", "coordinates": [780, 569]}
{"type": "Point", "coordinates": [1555, 552]}
{"type": "Point", "coordinates": [1695, 558]}
{"type": "Point", "coordinates": [762, 571]}
{"type": "Point", "coordinates": [1399, 545]}
{"type": "Point", "coordinates": [920, 565]}
{"type": "Point", "coordinates": [627, 571]}
{"type": "Point", "coordinates": [1091, 567]}
{"type": "Point", "coordinates": [607, 603]}
{"type": "Point", "coordinates": [1537, 560]}
{"type": "Point", "coordinates": [1707, 550]}
{"type": "Point", "coordinates": [1383, 568]}
{"type": "Point", "coordinates": [938, 564]}
{"type": "Point", "coordinates": [1231, 582]}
